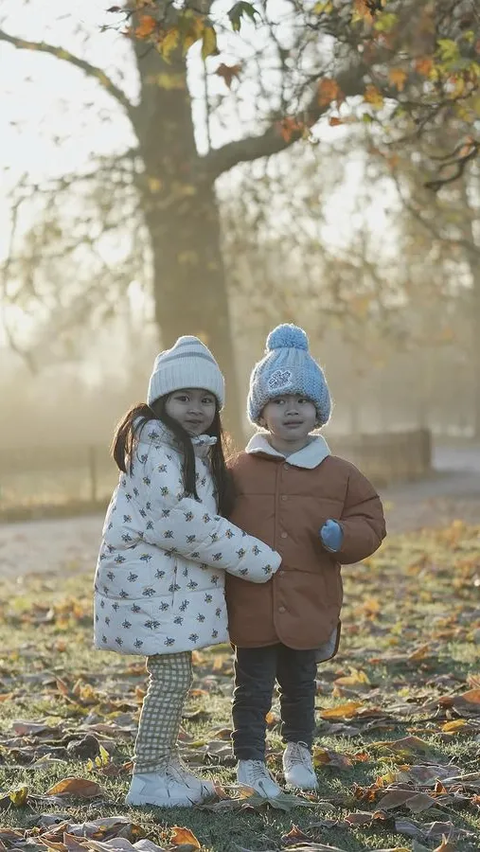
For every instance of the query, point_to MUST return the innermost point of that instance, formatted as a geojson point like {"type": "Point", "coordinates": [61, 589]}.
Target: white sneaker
{"type": "Point", "coordinates": [254, 773]}
{"type": "Point", "coordinates": [174, 787]}
{"type": "Point", "coordinates": [200, 787]}
{"type": "Point", "coordinates": [157, 788]}
{"type": "Point", "coordinates": [298, 767]}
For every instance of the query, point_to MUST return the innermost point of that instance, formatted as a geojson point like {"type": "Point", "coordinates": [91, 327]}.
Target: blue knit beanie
{"type": "Point", "coordinates": [288, 368]}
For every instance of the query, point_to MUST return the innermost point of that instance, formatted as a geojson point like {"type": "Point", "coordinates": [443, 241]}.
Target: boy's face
{"type": "Point", "coordinates": [289, 419]}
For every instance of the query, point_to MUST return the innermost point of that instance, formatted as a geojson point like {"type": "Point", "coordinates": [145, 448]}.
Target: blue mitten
{"type": "Point", "coordinates": [331, 535]}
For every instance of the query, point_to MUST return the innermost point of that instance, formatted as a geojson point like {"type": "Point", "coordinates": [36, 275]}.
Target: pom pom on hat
{"type": "Point", "coordinates": [287, 336]}
{"type": "Point", "coordinates": [288, 368]}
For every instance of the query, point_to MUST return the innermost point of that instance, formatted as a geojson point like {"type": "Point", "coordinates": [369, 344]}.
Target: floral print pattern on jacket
{"type": "Point", "coordinates": [159, 583]}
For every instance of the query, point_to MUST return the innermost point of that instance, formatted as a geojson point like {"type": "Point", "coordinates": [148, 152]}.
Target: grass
{"type": "Point", "coordinates": [409, 652]}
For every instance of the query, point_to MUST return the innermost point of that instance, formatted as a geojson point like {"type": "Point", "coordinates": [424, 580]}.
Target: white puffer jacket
{"type": "Point", "coordinates": [159, 583]}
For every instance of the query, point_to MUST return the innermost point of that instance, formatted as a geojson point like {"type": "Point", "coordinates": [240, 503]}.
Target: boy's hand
{"type": "Point", "coordinates": [331, 535]}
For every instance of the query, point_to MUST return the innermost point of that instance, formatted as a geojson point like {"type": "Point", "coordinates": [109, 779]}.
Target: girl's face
{"type": "Point", "coordinates": [193, 408]}
{"type": "Point", "coordinates": [289, 419]}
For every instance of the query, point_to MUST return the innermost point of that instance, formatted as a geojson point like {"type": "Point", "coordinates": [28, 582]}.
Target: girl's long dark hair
{"type": "Point", "coordinates": [125, 441]}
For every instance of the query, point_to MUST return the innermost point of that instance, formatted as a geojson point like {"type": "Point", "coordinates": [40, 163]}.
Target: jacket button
{"type": "Point", "coordinates": [284, 497]}
{"type": "Point", "coordinates": [281, 573]}
{"type": "Point", "coordinates": [283, 535]}
{"type": "Point", "coordinates": [286, 467]}
{"type": "Point", "coordinates": [281, 609]}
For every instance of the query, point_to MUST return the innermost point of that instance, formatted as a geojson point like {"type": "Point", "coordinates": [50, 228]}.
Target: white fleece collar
{"type": "Point", "coordinates": [309, 457]}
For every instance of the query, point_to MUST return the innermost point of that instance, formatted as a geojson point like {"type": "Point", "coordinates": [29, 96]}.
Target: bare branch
{"type": "Point", "coordinates": [86, 67]}
{"type": "Point", "coordinates": [272, 141]}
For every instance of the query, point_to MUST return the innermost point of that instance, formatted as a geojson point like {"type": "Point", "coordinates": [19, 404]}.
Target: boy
{"type": "Point", "coordinates": [319, 512]}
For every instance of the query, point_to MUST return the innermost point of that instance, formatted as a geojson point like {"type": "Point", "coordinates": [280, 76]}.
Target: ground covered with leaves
{"type": "Point", "coordinates": [398, 736]}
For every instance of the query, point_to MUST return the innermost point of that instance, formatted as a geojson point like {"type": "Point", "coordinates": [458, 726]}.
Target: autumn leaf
{"type": "Point", "coordinates": [80, 787]}
{"type": "Point", "coordinates": [169, 43]}
{"type": "Point", "coordinates": [455, 726]}
{"type": "Point", "coordinates": [373, 96]}
{"type": "Point", "coordinates": [184, 837]}
{"type": "Point", "coordinates": [355, 678]}
{"type": "Point", "coordinates": [146, 26]}
{"type": "Point", "coordinates": [289, 127]}
{"type": "Point", "coordinates": [237, 12]}
{"type": "Point", "coordinates": [334, 121]}
{"type": "Point", "coordinates": [326, 757]}
{"type": "Point", "coordinates": [343, 711]}
{"type": "Point", "coordinates": [398, 77]}
{"type": "Point", "coordinates": [423, 65]}
{"type": "Point", "coordinates": [228, 72]}
{"type": "Point", "coordinates": [18, 797]}
{"type": "Point", "coordinates": [361, 11]}
{"type": "Point", "coordinates": [209, 42]}
{"type": "Point", "coordinates": [328, 90]}
{"type": "Point", "coordinates": [403, 745]}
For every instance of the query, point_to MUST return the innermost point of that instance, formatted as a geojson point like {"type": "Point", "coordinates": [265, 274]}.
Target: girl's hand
{"type": "Point", "coordinates": [331, 535]}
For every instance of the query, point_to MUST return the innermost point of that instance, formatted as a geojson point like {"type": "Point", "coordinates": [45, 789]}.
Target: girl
{"type": "Point", "coordinates": [159, 584]}
{"type": "Point", "coordinates": [319, 511]}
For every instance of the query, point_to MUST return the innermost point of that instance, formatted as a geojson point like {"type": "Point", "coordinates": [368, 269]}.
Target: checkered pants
{"type": "Point", "coordinates": [169, 682]}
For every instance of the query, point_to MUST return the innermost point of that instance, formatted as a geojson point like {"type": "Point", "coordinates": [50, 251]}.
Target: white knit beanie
{"type": "Point", "coordinates": [188, 364]}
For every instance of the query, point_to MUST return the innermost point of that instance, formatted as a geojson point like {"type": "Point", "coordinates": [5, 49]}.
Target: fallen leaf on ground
{"type": "Point", "coordinates": [76, 787]}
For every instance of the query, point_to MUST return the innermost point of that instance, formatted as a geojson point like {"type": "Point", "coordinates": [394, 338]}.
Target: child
{"type": "Point", "coordinates": [159, 585]}
{"type": "Point", "coordinates": [319, 512]}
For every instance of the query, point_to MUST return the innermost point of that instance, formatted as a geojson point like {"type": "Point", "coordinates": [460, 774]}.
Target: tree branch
{"type": "Point", "coordinates": [221, 160]}
{"type": "Point", "coordinates": [86, 67]}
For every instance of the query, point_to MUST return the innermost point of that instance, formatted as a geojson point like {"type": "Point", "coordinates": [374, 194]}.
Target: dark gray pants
{"type": "Point", "coordinates": [256, 670]}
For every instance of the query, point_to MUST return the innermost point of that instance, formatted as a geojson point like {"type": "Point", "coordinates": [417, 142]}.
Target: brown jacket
{"type": "Point", "coordinates": [285, 503]}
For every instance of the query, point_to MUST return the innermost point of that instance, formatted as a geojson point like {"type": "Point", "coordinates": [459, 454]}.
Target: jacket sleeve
{"type": "Point", "coordinates": [362, 520]}
{"type": "Point", "coordinates": [180, 525]}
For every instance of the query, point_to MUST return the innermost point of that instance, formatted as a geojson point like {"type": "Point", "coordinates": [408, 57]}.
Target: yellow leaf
{"type": "Point", "coordinates": [19, 796]}
{"type": "Point", "coordinates": [355, 678]}
{"type": "Point", "coordinates": [420, 653]}
{"type": "Point", "coordinates": [373, 96]}
{"type": "Point", "coordinates": [154, 185]}
{"type": "Point", "coordinates": [168, 43]}
{"type": "Point", "coordinates": [324, 7]}
{"type": "Point", "coordinates": [183, 836]}
{"type": "Point", "coordinates": [209, 42]}
{"type": "Point", "coordinates": [343, 711]}
{"type": "Point", "coordinates": [452, 727]}
{"type": "Point", "coordinates": [397, 77]}
{"type": "Point", "coordinates": [167, 81]}
{"type": "Point", "coordinates": [191, 27]}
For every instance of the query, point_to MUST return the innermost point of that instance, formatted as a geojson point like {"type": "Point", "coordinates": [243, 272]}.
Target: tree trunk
{"type": "Point", "coordinates": [182, 217]}
{"type": "Point", "coordinates": [473, 261]}
{"type": "Point", "coordinates": [189, 285]}
{"type": "Point", "coordinates": [475, 269]}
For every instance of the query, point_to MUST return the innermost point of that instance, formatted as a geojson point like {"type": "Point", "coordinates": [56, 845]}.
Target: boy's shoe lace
{"type": "Point", "coordinates": [254, 773]}
{"type": "Point", "coordinates": [298, 766]}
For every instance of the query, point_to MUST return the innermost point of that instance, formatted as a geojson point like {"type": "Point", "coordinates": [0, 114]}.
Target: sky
{"type": "Point", "coordinates": [53, 117]}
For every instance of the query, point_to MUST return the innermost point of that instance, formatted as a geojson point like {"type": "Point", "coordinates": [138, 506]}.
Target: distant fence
{"type": "Point", "coordinates": [62, 479]}
{"type": "Point", "coordinates": [388, 457]}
